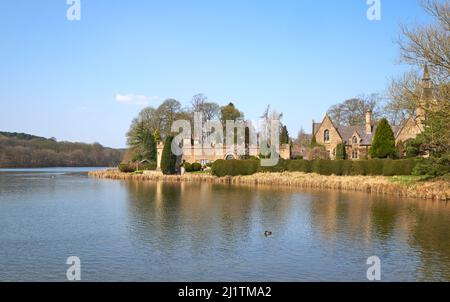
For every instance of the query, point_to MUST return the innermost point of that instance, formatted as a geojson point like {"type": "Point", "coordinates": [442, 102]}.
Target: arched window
{"type": "Point", "coordinates": [326, 136]}
{"type": "Point", "coordinates": [354, 140]}
{"type": "Point", "coordinates": [355, 154]}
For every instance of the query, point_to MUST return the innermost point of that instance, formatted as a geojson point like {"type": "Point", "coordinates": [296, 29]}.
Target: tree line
{"type": "Point", "coordinates": [20, 150]}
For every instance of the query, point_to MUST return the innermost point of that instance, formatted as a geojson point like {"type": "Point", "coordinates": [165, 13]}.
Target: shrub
{"type": "Point", "coordinates": [168, 159]}
{"type": "Point", "coordinates": [234, 167]}
{"type": "Point", "coordinates": [385, 167]}
{"type": "Point", "coordinates": [374, 166]}
{"type": "Point", "coordinates": [340, 151]}
{"type": "Point", "coordinates": [298, 166]}
{"type": "Point", "coordinates": [389, 168]}
{"type": "Point", "coordinates": [433, 166]}
{"type": "Point", "coordinates": [196, 167]}
{"type": "Point", "coordinates": [359, 167]}
{"type": "Point", "coordinates": [321, 166]}
{"type": "Point", "coordinates": [346, 167]}
{"type": "Point", "coordinates": [383, 145]}
{"type": "Point", "coordinates": [151, 166]}
{"type": "Point", "coordinates": [279, 167]}
{"type": "Point", "coordinates": [187, 167]}
{"type": "Point", "coordinates": [404, 167]}
{"type": "Point", "coordinates": [127, 168]}
{"type": "Point", "coordinates": [412, 147]}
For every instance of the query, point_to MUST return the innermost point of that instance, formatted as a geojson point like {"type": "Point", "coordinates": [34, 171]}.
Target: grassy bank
{"type": "Point", "coordinates": [397, 186]}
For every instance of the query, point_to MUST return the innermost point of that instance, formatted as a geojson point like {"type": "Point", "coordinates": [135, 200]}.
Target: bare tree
{"type": "Point", "coordinates": [198, 101]}
{"type": "Point", "coordinates": [352, 112]}
{"type": "Point", "coordinates": [429, 44]}
{"type": "Point", "coordinates": [403, 96]}
{"type": "Point", "coordinates": [201, 104]}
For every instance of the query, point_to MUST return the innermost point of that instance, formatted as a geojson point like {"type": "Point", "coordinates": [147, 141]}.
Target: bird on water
{"type": "Point", "coordinates": [268, 233]}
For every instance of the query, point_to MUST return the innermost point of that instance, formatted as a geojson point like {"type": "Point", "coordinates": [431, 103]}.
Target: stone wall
{"type": "Point", "coordinates": [409, 131]}
{"type": "Point", "coordinates": [335, 138]}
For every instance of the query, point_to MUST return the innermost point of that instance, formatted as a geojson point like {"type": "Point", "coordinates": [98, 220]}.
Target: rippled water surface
{"type": "Point", "coordinates": [131, 231]}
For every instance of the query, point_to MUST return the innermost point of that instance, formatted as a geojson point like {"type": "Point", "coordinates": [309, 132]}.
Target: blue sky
{"type": "Point", "coordinates": [62, 79]}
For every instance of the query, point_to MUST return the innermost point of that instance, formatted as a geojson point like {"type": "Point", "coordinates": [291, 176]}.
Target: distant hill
{"type": "Point", "coordinates": [24, 136]}
{"type": "Point", "coordinates": [22, 150]}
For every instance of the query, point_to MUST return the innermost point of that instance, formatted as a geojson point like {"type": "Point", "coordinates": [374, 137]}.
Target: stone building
{"type": "Point", "coordinates": [358, 139]}
{"type": "Point", "coordinates": [195, 153]}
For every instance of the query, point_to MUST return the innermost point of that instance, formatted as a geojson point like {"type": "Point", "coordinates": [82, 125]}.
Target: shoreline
{"type": "Point", "coordinates": [383, 185]}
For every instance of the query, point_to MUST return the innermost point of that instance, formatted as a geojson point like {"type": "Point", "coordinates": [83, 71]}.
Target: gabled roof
{"type": "Point", "coordinates": [400, 127]}
{"type": "Point", "coordinates": [348, 131]}
{"type": "Point", "coordinates": [316, 127]}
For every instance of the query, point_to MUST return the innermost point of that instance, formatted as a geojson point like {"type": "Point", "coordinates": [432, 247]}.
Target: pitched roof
{"type": "Point", "coordinates": [316, 127]}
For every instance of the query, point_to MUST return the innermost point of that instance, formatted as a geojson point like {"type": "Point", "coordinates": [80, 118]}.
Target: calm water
{"type": "Point", "coordinates": [129, 231]}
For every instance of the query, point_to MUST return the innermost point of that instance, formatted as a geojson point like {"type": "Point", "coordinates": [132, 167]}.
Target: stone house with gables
{"type": "Point", "coordinates": [358, 139]}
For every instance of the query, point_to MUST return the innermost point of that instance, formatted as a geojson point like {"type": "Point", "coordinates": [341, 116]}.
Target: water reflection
{"type": "Point", "coordinates": [228, 221]}
{"type": "Point", "coordinates": [148, 231]}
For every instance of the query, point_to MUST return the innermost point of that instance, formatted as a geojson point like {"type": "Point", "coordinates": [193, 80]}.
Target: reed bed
{"type": "Point", "coordinates": [434, 189]}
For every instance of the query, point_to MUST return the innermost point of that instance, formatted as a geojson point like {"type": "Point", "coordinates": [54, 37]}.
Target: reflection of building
{"type": "Point", "coordinates": [193, 153]}
{"type": "Point", "coordinates": [358, 139]}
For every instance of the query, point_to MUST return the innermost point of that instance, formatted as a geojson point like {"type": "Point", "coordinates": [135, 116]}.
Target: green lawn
{"type": "Point", "coordinates": [408, 180]}
{"type": "Point", "coordinates": [199, 172]}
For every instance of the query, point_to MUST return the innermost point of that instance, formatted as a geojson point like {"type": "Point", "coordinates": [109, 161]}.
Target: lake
{"type": "Point", "coordinates": [144, 231]}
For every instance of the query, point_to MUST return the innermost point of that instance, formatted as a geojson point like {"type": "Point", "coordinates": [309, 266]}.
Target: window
{"type": "Point", "coordinates": [355, 154]}
{"type": "Point", "coordinates": [326, 136]}
{"type": "Point", "coordinates": [354, 140]}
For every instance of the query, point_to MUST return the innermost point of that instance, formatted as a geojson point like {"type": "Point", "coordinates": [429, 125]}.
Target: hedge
{"type": "Point", "coordinates": [384, 167]}
{"type": "Point", "coordinates": [234, 167]}
{"type": "Point", "coordinates": [129, 168]}
{"type": "Point", "coordinates": [126, 168]}
{"type": "Point", "coordinates": [187, 166]}
{"type": "Point", "coordinates": [196, 167]}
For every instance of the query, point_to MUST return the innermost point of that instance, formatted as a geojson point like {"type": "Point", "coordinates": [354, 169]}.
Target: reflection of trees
{"type": "Point", "coordinates": [228, 222]}
{"type": "Point", "coordinates": [384, 216]}
{"type": "Point", "coordinates": [203, 216]}
{"type": "Point", "coordinates": [430, 233]}
{"type": "Point", "coordinates": [423, 225]}
{"type": "Point", "coordinates": [335, 212]}
{"type": "Point", "coordinates": [154, 207]}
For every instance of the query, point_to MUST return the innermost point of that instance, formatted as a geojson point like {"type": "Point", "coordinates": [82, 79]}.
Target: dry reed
{"type": "Point", "coordinates": [434, 189]}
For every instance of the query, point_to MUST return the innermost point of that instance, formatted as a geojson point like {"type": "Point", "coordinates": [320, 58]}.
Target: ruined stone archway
{"type": "Point", "coordinates": [229, 156]}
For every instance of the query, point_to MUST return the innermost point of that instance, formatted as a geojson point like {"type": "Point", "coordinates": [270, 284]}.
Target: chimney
{"type": "Point", "coordinates": [369, 121]}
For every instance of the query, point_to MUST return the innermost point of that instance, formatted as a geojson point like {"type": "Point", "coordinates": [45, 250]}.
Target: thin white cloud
{"type": "Point", "coordinates": [136, 99]}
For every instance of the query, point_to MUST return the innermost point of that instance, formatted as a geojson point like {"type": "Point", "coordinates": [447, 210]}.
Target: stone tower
{"type": "Point", "coordinates": [426, 96]}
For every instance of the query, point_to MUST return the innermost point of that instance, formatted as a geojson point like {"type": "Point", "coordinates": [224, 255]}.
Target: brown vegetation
{"type": "Point", "coordinates": [435, 189]}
